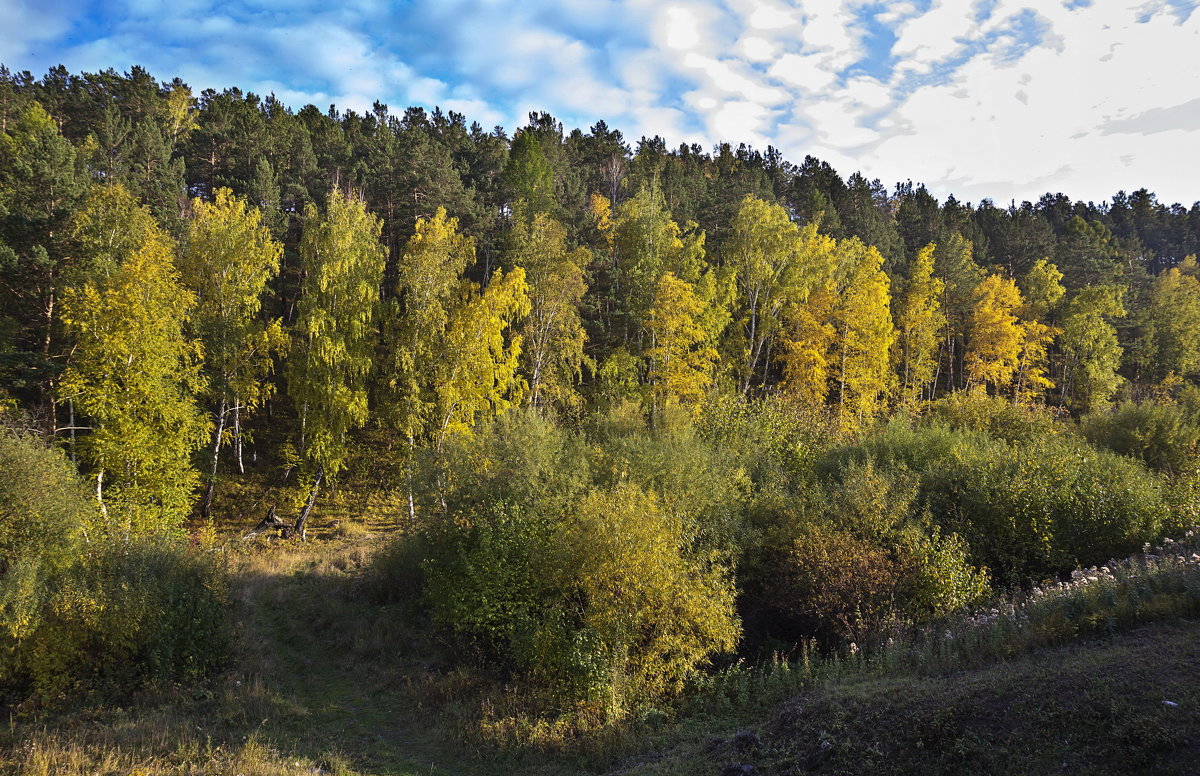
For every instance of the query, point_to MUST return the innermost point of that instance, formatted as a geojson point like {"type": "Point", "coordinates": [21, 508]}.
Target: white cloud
{"type": "Point", "coordinates": [807, 72]}
{"type": "Point", "coordinates": [998, 98]}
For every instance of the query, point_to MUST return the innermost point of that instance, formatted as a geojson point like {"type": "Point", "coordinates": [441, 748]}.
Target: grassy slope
{"type": "Point", "coordinates": [323, 682]}
{"type": "Point", "coordinates": [1094, 707]}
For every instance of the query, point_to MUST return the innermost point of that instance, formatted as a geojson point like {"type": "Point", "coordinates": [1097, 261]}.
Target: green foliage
{"type": "Point", "coordinates": [133, 372]}
{"type": "Point", "coordinates": [991, 415]}
{"type": "Point", "coordinates": [1164, 436]}
{"type": "Point", "coordinates": [108, 612]}
{"type": "Point", "coordinates": [130, 612]}
{"type": "Point", "coordinates": [44, 512]}
{"type": "Point", "coordinates": [595, 594]}
{"type": "Point", "coordinates": [1028, 509]}
{"type": "Point", "coordinates": [867, 558]}
{"type": "Point", "coordinates": [334, 334]}
{"type": "Point", "coordinates": [554, 338]}
{"type": "Point", "coordinates": [1039, 508]}
{"type": "Point", "coordinates": [919, 321]}
{"type": "Point", "coordinates": [777, 264]}
{"type": "Point", "coordinates": [227, 260]}
{"type": "Point", "coordinates": [1090, 345]}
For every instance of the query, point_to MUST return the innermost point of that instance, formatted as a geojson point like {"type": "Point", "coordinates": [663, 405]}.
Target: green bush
{"type": "Point", "coordinates": [129, 612]}
{"type": "Point", "coordinates": [991, 415]}
{"type": "Point", "coordinates": [101, 612]}
{"type": "Point", "coordinates": [1030, 508]}
{"type": "Point", "coordinates": [44, 510]}
{"type": "Point", "coordinates": [870, 558]}
{"type": "Point", "coordinates": [598, 595]}
{"type": "Point", "coordinates": [1040, 508]}
{"type": "Point", "coordinates": [1163, 436]}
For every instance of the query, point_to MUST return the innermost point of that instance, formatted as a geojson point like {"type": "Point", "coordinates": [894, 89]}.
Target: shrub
{"type": "Point", "coordinates": [1163, 436]}
{"type": "Point", "coordinates": [1046, 506]}
{"type": "Point", "coordinates": [599, 595]}
{"type": "Point", "coordinates": [870, 558]}
{"type": "Point", "coordinates": [44, 510]}
{"type": "Point", "coordinates": [128, 612]}
{"type": "Point", "coordinates": [1030, 508]}
{"type": "Point", "coordinates": [991, 415]}
{"type": "Point", "coordinates": [106, 612]}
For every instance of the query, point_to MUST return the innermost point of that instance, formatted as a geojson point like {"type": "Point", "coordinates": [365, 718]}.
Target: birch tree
{"type": "Point", "coordinates": [226, 261]}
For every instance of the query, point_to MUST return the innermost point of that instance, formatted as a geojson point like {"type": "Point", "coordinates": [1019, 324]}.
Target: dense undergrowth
{"type": "Point", "coordinates": [576, 592]}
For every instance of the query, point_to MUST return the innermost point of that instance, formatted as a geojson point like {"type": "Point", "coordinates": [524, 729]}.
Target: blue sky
{"type": "Point", "coordinates": [980, 98]}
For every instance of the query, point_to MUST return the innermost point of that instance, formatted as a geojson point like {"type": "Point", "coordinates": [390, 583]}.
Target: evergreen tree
{"type": "Point", "coordinates": [39, 190]}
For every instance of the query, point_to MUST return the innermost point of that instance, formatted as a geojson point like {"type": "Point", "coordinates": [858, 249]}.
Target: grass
{"type": "Point", "coordinates": [1071, 678]}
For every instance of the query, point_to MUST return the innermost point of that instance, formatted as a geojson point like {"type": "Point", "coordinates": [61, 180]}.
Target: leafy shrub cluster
{"type": "Point", "coordinates": [80, 606]}
{"type": "Point", "coordinates": [1029, 508]}
{"type": "Point", "coordinates": [605, 567]}
{"type": "Point", "coordinates": [587, 576]}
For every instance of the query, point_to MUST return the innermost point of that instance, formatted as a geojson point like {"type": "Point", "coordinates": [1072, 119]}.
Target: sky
{"type": "Point", "coordinates": [980, 98]}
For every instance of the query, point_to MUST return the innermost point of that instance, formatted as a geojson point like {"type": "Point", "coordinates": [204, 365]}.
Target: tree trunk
{"type": "Point", "coordinates": [299, 528]}
{"type": "Point", "coordinates": [412, 507]}
{"type": "Point", "coordinates": [100, 493]}
{"type": "Point", "coordinates": [206, 510]}
{"type": "Point", "coordinates": [71, 411]}
{"type": "Point", "coordinates": [237, 433]}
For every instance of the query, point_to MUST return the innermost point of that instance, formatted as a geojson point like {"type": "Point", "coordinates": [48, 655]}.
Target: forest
{"type": "Point", "coordinates": [640, 412]}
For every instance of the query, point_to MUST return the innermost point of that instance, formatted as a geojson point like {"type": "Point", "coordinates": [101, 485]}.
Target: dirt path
{"type": "Point", "coordinates": [337, 678]}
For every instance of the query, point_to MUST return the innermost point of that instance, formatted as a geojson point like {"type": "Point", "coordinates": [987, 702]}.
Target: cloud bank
{"type": "Point", "coordinates": [990, 98]}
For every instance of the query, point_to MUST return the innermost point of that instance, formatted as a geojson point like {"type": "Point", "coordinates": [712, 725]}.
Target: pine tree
{"type": "Point", "coordinates": [39, 190]}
